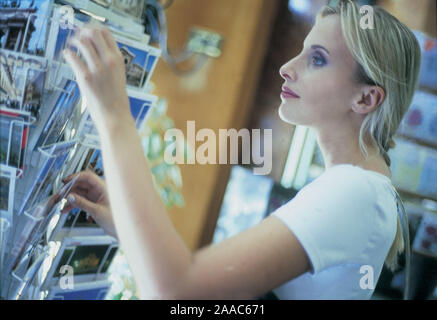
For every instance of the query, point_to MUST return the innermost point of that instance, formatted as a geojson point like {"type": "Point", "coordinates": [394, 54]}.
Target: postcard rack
{"type": "Point", "coordinates": [46, 135]}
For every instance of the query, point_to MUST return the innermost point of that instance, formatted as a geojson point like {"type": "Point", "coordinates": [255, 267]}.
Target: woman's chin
{"type": "Point", "coordinates": [286, 116]}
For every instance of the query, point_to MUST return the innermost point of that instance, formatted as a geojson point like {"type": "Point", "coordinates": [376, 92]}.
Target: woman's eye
{"type": "Point", "coordinates": [318, 60]}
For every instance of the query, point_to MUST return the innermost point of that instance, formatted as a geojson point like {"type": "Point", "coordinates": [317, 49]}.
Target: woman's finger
{"type": "Point", "coordinates": [69, 207]}
{"type": "Point", "coordinates": [82, 190]}
{"type": "Point", "coordinates": [88, 51]}
{"type": "Point", "coordinates": [70, 177]}
{"type": "Point", "coordinates": [77, 191]}
{"type": "Point", "coordinates": [81, 176]}
{"type": "Point", "coordinates": [79, 68]}
{"type": "Point", "coordinates": [109, 40]}
{"type": "Point", "coordinates": [82, 203]}
{"type": "Point", "coordinates": [94, 33]}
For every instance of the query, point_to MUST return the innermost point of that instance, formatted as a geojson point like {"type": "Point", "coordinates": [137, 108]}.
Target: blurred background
{"type": "Point", "coordinates": [215, 64]}
{"type": "Point", "coordinates": [239, 87]}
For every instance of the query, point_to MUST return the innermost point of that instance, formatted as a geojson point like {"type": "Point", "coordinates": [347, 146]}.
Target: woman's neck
{"type": "Point", "coordinates": [343, 148]}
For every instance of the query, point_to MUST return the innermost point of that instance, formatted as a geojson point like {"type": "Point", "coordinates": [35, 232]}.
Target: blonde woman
{"type": "Point", "coordinates": [352, 87]}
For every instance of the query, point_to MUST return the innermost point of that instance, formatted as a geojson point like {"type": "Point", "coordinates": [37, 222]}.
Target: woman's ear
{"type": "Point", "coordinates": [370, 98]}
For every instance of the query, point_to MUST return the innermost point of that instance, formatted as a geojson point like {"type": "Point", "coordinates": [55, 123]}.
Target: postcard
{"type": "Point", "coordinates": [34, 223]}
{"type": "Point", "coordinates": [80, 219]}
{"type": "Point", "coordinates": [139, 59]}
{"type": "Point", "coordinates": [75, 223]}
{"type": "Point", "coordinates": [42, 184]}
{"type": "Point", "coordinates": [86, 126]}
{"type": "Point", "coordinates": [22, 84]}
{"type": "Point", "coordinates": [60, 115]}
{"type": "Point", "coordinates": [19, 291]}
{"type": "Point", "coordinates": [25, 25]}
{"type": "Point", "coordinates": [82, 291]}
{"type": "Point", "coordinates": [88, 256]}
{"type": "Point", "coordinates": [14, 130]}
{"type": "Point", "coordinates": [93, 161]}
{"type": "Point", "coordinates": [152, 61]}
{"type": "Point", "coordinates": [79, 154]}
{"type": "Point", "coordinates": [103, 3]}
{"type": "Point", "coordinates": [140, 106]}
{"type": "Point", "coordinates": [8, 177]}
{"type": "Point", "coordinates": [133, 8]}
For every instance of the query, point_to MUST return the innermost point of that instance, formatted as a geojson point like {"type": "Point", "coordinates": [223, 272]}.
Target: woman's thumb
{"type": "Point", "coordinates": [81, 203]}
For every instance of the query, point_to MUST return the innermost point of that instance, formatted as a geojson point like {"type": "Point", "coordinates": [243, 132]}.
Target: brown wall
{"type": "Point", "coordinates": [241, 88]}
{"type": "Point", "coordinates": [417, 15]}
{"type": "Point", "coordinates": [218, 96]}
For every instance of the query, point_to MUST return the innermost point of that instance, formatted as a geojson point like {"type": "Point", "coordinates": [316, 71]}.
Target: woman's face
{"type": "Point", "coordinates": [322, 76]}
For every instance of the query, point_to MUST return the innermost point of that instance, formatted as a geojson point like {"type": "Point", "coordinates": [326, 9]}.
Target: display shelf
{"type": "Point", "coordinates": [48, 114]}
{"type": "Point", "coordinates": [417, 141]}
{"type": "Point", "coordinates": [415, 194]}
{"type": "Point", "coordinates": [425, 254]}
{"type": "Point", "coordinates": [127, 24]}
{"type": "Point", "coordinates": [316, 170]}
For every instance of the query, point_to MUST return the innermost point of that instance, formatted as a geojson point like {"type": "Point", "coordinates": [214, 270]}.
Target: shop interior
{"type": "Point", "coordinates": [213, 64]}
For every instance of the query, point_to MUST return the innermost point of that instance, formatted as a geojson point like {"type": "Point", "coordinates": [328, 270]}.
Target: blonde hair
{"type": "Point", "coordinates": [387, 56]}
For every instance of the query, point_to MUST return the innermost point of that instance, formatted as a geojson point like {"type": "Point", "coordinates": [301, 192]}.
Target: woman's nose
{"type": "Point", "coordinates": [288, 73]}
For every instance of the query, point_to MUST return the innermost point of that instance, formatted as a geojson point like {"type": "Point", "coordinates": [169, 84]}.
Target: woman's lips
{"type": "Point", "coordinates": [287, 93]}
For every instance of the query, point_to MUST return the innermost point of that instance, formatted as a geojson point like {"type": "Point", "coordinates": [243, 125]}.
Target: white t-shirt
{"type": "Point", "coordinates": [346, 221]}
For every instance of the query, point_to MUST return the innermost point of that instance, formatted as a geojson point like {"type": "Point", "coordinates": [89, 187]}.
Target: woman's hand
{"type": "Point", "coordinates": [89, 194]}
{"type": "Point", "coordinates": [100, 74]}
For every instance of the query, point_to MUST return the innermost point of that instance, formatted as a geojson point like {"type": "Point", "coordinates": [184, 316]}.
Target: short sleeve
{"type": "Point", "coordinates": [332, 217]}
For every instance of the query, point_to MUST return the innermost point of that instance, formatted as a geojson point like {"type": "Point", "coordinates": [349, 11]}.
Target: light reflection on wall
{"type": "Point", "coordinates": [299, 6]}
{"type": "Point", "coordinates": [244, 204]}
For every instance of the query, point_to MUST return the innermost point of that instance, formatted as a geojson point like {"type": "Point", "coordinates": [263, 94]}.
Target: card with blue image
{"type": "Point", "coordinates": [54, 157]}
{"type": "Point", "coordinates": [81, 291]}
{"type": "Point", "coordinates": [25, 25]}
{"type": "Point", "coordinates": [140, 60]}
{"type": "Point", "coordinates": [140, 106]}
{"type": "Point", "coordinates": [14, 129]}
{"type": "Point", "coordinates": [65, 104]}
{"type": "Point", "coordinates": [22, 82]}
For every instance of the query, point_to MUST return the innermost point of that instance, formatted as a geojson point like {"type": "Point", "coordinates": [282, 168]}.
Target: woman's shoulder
{"type": "Point", "coordinates": [348, 186]}
{"type": "Point", "coordinates": [348, 174]}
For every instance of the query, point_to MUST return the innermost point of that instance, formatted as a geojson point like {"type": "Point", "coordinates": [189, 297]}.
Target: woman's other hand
{"type": "Point", "coordinates": [89, 194]}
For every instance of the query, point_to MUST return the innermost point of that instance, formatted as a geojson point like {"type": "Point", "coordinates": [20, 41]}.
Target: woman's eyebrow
{"type": "Point", "coordinates": [317, 46]}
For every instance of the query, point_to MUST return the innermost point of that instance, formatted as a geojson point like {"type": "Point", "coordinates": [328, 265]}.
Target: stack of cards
{"type": "Point", "coordinates": [22, 82]}
{"type": "Point", "coordinates": [119, 14]}
{"type": "Point", "coordinates": [96, 290]}
{"type": "Point", "coordinates": [88, 257]}
{"type": "Point", "coordinates": [50, 166]}
{"type": "Point", "coordinates": [46, 134]}
{"type": "Point", "coordinates": [14, 129]}
{"type": "Point", "coordinates": [131, 8]}
{"type": "Point", "coordinates": [24, 25]}
{"type": "Point", "coordinates": [8, 176]}
{"type": "Point", "coordinates": [420, 122]}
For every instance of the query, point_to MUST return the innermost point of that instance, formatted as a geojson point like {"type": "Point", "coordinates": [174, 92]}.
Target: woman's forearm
{"type": "Point", "coordinates": [157, 255]}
